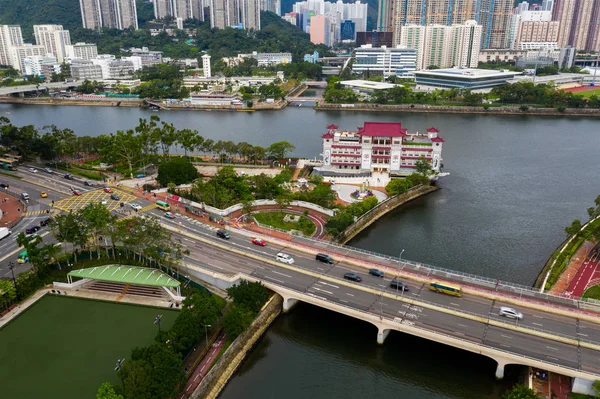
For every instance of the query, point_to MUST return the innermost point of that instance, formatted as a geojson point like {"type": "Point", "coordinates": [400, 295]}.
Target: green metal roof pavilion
{"type": "Point", "coordinates": [127, 274]}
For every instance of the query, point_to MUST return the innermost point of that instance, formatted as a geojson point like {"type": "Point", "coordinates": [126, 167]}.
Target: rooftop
{"type": "Point", "coordinates": [382, 129]}
{"type": "Point", "coordinates": [127, 274]}
{"type": "Point", "coordinates": [469, 73]}
{"type": "Point", "coordinates": [367, 84]}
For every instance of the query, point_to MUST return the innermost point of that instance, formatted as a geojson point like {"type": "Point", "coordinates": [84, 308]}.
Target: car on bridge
{"type": "Point", "coordinates": [376, 273]}
{"type": "Point", "coordinates": [259, 241]}
{"type": "Point", "coordinates": [510, 313]}
{"type": "Point", "coordinates": [48, 170]}
{"type": "Point", "coordinates": [398, 285]}
{"type": "Point", "coordinates": [284, 258]}
{"type": "Point", "coordinates": [353, 276]}
{"type": "Point", "coordinates": [324, 258]}
{"type": "Point", "coordinates": [33, 170]}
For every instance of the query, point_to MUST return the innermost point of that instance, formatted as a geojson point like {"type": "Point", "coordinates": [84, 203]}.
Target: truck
{"type": "Point", "coordinates": [4, 232]}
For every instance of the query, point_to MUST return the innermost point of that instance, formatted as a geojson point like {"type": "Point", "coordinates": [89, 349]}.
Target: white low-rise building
{"type": "Point", "coordinates": [400, 61]}
{"type": "Point", "coordinates": [378, 147]}
{"type": "Point", "coordinates": [42, 66]}
{"type": "Point", "coordinates": [82, 51]}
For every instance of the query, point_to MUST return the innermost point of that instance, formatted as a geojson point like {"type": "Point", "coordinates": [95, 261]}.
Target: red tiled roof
{"type": "Point", "coordinates": [327, 136]}
{"type": "Point", "coordinates": [383, 129]}
{"type": "Point", "coordinates": [332, 127]}
{"type": "Point", "coordinates": [433, 130]}
{"type": "Point", "coordinates": [437, 140]}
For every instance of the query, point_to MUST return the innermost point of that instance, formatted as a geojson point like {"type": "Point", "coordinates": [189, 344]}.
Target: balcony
{"type": "Point", "coordinates": [337, 154]}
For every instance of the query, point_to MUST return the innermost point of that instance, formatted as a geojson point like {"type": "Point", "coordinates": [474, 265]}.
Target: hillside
{"type": "Point", "coordinates": [65, 12]}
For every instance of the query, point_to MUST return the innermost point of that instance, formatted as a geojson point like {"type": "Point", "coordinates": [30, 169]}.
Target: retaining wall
{"type": "Point", "coordinates": [223, 370]}
{"type": "Point", "coordinates": [381, 209]}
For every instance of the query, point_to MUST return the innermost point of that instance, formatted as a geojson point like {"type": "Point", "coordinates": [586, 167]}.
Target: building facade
{"type": "Point", "coordinates": [348, 30]}
{"type": "Point", "coordinates": [320, 30]}
{"type": "Point", "coordinates": [54, 38]}
{"type": "Point", "coordinates": [117, 14]}
{"type": "Point", "coordinates": [10, 36]}
{"type": "Point", "coordinates": [147, 56]}
{"type": "Point", "coordinates": [463, 78]}
{"type": "Point", "coordinates": [400, 61]}
{"type": "Point", "coordinates": [82, 51]}
{"type": "Point", "coordinates": [579, 23]}
{"type": "Point", "coordinates": [19, 53]}
{"type": "Point", "coordinates": [184, 9]}
{"type": "Point", "coordinates": [206, 71]}
{"type": "Point", "coordinates": [86, 69]}
{"type": "Point", "coordinates": [378, 147]}
{"type": "Point", "coordinates": [444, 46]}
{"type": "Point", "coordinates": [493, 15]}
{"type": "Point", "coordinates": [536, 32]}
{"type": "Point", "coordinates": [41, 66]}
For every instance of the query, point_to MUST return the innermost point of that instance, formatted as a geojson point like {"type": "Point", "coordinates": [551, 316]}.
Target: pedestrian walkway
{"type": "Point", "coordinates": [37, 212]}
{"type": "Point", "coordinates": [204, 366]}
{"type": "Point", "coordinates": [344, 192]}
{"type": "Point", "coordinates": [562, 285]}
{"type": "Point", "coordinates": [10, 210]}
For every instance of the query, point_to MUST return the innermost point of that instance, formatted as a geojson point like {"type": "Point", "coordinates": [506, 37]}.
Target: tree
{"type": "Point", "coordinates": [107, 391]}
{"type": "Point", "coordinates": [97, 219]}
{"type": "Point", "coordinates": [397, 186]}
{"type": "Point", "coordinates": [423, 166]}
{"type": "Point", "coordinates": [574, 228]}
{"type": "Point", "coordinates": [237, 320]}
{"type": "Point", "coordinates": [249, 296]}
{"type": "Point", "coordinates": [187, 139]}
{"type": "Point", "coordinates": [520, 392]}
{"type": "Point", "coordinates": [68, 228]}
{"type": "Point", "coordinates": [596, 388]}
{"type": "Point", "coordinates": [176, 170]}
{"type": "Point", "coordinates": [283, 201]}
{"type": "Point", "coordinates": [280, 149]}
{"type": "Point", "coordinates": [124, 146]}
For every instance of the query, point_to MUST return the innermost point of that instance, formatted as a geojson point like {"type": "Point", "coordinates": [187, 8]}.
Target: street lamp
{"type": "Point", "coordinates": [400, 257]}
{"type": "Point", "coordinates": [118, 367]}
{"type": "Point", "coordinates": [206, 327]}
{"type": "Point", "coordinates": [157, 320]}
{"type": "Point", "coordinates": [11, 266]}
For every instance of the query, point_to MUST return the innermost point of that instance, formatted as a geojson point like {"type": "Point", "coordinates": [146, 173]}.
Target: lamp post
{"type": "Point", "coordinates": [118, 367]}
{"type": "Point", "coordinates": [157, 321]}
{"type": "Point", "coordinates": [11, 266]}
{"type": "Point", "coordinates": [206, 327]}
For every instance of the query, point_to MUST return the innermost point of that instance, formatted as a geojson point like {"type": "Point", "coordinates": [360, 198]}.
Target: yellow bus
{"type": "Point", "coordinates": [445, 288]}
{"type": "Point", "coordinates": [16, 158]}
{"type": "Point", "coordinates": [163, 205]}
{"type": "Point", "coordinates": [8, 164]}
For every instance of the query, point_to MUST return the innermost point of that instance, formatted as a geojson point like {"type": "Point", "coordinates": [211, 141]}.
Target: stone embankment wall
{"type": "Point", "coordinates": [298, 90]}
{"type": "Point", "coordinates": [109, 102]}
{"type": "Point", "coordinates": [381, 209]}
{"type": "Point", "coordinates": [507, 110]}
{"type": "Point", "coordinates": [223, 370]}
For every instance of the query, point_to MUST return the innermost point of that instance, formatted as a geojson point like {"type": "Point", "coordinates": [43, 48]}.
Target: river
{"type": "Point", "coordinates": [515, 182]}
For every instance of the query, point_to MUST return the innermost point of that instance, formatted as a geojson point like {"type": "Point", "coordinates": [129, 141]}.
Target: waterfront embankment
{"type": "Point", "coordinates": [459, 109]}
{"type": "Point", "coordinates": [223, 370]}
{"type": "Point", "coordinates": [381, 209]}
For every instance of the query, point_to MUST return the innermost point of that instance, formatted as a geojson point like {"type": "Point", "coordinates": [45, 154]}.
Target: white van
{"type": "Point", "coordinates": [25, 196]}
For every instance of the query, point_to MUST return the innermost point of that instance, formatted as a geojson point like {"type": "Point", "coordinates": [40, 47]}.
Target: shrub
{"type": "Point", "coordinates": [562, 108]}
{"type": "Point", "coordinates": [524, 108]}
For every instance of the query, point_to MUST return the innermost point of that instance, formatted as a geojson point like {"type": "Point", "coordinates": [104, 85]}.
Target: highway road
{"type": "Point", "coordinates": [433, 311]}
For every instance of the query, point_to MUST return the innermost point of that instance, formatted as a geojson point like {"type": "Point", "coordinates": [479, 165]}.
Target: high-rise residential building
{"type": "Point", "coordinates": [54, 38]}
{"type": "Point", "coordinates": [320, 30]}
{"type": "Point", "coordinates": [19, 53]}
{"type": "Point", "coordinates": [522, 6]}
{"type": "Point", "coordinates": [273, 6]}
{"type": "Point", "coordinates": [206, 66]}
{"type": "Point", "coordinates": [10, 36]}
{"type": "Point", "coordinates": [493, 15]}
{"type": "Point", "coordinates": [242, 13]}
{"type": "Point", "coordinates": [444, 46]}
{"type": "Point", "coordinates": [291, 17]}
{"type": "Point", "coordinates": [547, 5]}
{"type": "Point", "coordinates": [566, 57]}
{"type": "Point", "coordinates": [184, 9]}
{"type": "Point", "coordinates": [385, 16]}
{"type": "Point", "coordinates": [41, 66]}
{"type": "Point", "coordinates": [399, 61]}
{"type": "Point", "coordinates": [336, 12]}
{"type": "Point", "coordinates": [250, 10]}
{"type": "Point", "coordinates": [579, 23]}
{"type": "Point", "coordinates": [348, 30]}
{"type": "Point", "coordinates": [118, 14]}
{"type": "Point", "coordinates": [536, 32]}
{"type": "Point", "coordinates": [82, 51]}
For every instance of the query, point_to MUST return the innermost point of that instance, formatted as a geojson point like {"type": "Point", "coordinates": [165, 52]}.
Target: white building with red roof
{"type": "Point", "coordinates": [379, 148]}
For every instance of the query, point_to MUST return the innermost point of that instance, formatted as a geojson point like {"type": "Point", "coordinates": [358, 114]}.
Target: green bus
{"type": "Point", "coordinates": [163, 205]}
{"type": "Point", "coordinates": [445, 288]}
{"type": "Point", "coordinates": [23, 257]}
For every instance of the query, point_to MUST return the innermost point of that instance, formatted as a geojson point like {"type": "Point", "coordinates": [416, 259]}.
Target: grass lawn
{"type": "Point", "coordinates": [588, 93]}
{"type": "Point", "coordinates": [275, 219]}
{"type": "Point", "coordinates": [65, 347]}
{"type": "Point", "coordinates": [592, 292]}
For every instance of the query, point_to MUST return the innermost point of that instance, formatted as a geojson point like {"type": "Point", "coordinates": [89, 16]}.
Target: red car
{"type": "Point", "coordinates": [76, 192]}
{"type": "Point", "coordinates": [259, 241]}
{"type": "Point", "coordinates": [107, 190]}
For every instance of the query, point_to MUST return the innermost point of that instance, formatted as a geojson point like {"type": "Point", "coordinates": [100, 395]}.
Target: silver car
{"type": "Point", "coordinates": [510, 313]}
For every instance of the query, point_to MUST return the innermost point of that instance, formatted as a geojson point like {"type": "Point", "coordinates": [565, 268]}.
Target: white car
{"type": "Point", "coordinates": [285, 258]}
{"type": "Point", "coordinates": [104, 201]}
{"type": "Point", "coordinates": [33, 170]}
{"type": "Point", "coordinates": [510, 313]}
{"type": "Point", "coordinates": [137, 207]}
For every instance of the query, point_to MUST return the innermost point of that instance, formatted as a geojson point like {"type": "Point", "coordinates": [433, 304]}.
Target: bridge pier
{"type": "Point", "coordinates": [288, 304]}
{"type": "Point", "coordinates": [500, 370]}
{"type": "Point", "coordinates": [382, 335]}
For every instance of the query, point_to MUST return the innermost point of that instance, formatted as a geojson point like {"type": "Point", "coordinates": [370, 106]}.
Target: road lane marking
{"type": "Point", "coordinates": [320, 269]}
{"type": "Point", "coordinates": [329, 284]}
{"type": "Point", "coordinates": [462, 325]}
{"type": "Point", "coordinates": [328, 292]}
{"type": "Point", "coordinates": [582, 334]}
{"type": "Point", "coordinates": [538, 324]}
{"type": "Point", "coordinates": [554, 349]}
{"type": "Point", "coordinates": [506, 346]}
{"type": "Point", "coordinates": [343, 300]}
{"type": "Point", "coordinates": [347, 293]}
{"type": "Point", "coordinates": [273, 279]}
{"type": "Point", "coordinates": [455, 304]}
{"type": "Point", "coordinates": [538, 317]}
{"type": "Point", "coordinates": [553, 358]}
{"type": "Point", "coordinates": [506, 336]}
{"type": "Point", "coordinates": [459, 333]}
{"type": "Point", "coordinates": [281, 274]}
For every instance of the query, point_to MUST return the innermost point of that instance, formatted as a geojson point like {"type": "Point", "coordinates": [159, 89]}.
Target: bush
{"type": "Point", "coordinates": [486, 107]}
{"type": "Point", "coordinates": [561, 108]}
{"type": "Point", "coordinates": [524, 108]}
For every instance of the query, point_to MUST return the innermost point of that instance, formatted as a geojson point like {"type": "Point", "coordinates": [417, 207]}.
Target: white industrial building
{"type": "Point", "coordinates": [400, 61]}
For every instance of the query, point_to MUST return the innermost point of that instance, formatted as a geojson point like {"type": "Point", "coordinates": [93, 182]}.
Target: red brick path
{"type": "Point", "coordinates": [10, 207]}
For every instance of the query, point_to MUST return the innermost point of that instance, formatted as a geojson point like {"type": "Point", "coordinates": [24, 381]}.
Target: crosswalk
{"type": "Point", "coordinates": [147, 208]}
{"type": "Point", "coordinates": [126, 188]}
{"type": "Point", "coordinates": [34, 213]}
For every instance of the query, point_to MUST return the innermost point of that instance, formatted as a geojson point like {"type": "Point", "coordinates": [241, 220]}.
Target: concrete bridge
{"type": "Point", "coordinates": [303, 99]}
{"type": "Point", "coordinates": [4, 91]}
{"type": "Point", "coordinates": [552, 336]}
